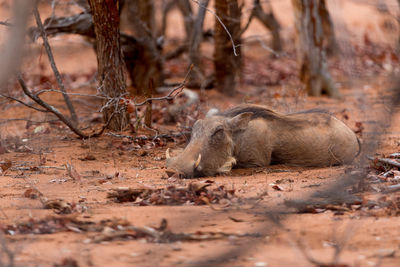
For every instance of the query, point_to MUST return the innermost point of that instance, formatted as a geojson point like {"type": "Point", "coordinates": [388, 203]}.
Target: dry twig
{"type": "Point", "coordinates": [5, 23]}
{"type": "Point", "coordinates": [56, 112]}
{"type": "Point", "coordinates": [23, 103]}
{"type": "Point", "coordinates": [53, 65]}
{"type": "Point", "coordinates": [172, 94]}
{"type": "Point", "coordinates": [391, 162]}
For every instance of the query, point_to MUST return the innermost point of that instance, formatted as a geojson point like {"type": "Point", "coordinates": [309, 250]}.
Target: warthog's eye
{"type": "Point", "coordinates": [218, 132]}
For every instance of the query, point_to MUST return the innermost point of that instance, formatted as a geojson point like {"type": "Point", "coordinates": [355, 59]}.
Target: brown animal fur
{"type": "Point", "coordinates": [255, 136]}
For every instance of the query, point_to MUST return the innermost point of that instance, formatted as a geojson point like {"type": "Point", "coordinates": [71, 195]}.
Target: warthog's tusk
{"type": "Point", "coordinates": [197, 163]}
{"type": "Point", "coordinates": [167, 155]}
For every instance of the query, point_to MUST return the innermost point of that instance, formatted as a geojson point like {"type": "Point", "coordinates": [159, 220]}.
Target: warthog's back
{"type": "Point", "coordinates": [311, 138]}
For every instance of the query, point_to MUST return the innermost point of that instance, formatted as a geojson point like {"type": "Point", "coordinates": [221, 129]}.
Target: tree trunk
{"type": "Point", "coordinates": [328, 28]}
{"type": "Point", "coordinates": [145, 12]}
{"type": "Point", "coordinates": [187, 12]}
{"type": "Point", "coordinates": [147, 63]}
{"type": "Point", "coordinates": [227, 65]}
{"type": "Point", "coordinates": [197, 76]}
{"type": "Point", "coordinates": [398, 21]}
{"type": "Point", "coordinates": [111, 79]}
{"type": "Point", "coordinates": [270, 22]}
{"type": "Point", "coordinates": [166, 7]}
{"type": "Point", "coordinates": [311, 55]}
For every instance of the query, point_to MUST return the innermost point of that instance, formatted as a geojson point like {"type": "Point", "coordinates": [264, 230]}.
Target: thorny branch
{"type": "Point", "coordinates": [53, 65]}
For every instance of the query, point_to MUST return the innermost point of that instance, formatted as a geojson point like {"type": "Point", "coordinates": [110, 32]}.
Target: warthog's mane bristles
{"type": "Point", "coordinates": [258, 112]}
{"type": "Point", "coordinates": [271, 115]}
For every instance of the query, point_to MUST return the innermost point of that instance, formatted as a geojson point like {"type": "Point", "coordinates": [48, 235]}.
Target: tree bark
{"type": "Point", "coordinates": [311, 56]}
{"type": "Point", "coordinates": [227, 65]}
{"type": "Point", "coordinates": [111, 78]}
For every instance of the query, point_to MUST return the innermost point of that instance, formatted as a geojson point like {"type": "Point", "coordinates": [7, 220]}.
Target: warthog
{"type": "Point", "coordinates": [255, 136]}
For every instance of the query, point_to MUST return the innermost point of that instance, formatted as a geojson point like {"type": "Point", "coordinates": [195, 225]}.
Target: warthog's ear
{"type": "Point", "coordinates": [239, 122]}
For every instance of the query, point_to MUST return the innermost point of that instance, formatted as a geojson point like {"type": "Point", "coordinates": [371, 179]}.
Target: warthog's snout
{"type": "Point", "coordinates": [183, 169]}
{"type": "Point", "coordinates": [210, 150]}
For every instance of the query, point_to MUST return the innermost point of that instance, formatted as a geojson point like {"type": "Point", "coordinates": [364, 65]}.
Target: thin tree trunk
{"type": "Point", "coordinates": [143, 10]}
{"type": "Point", "coordinates": [111, 78]}
{"type": "Point", "coordinates": [148, 113]}
{"type": "Point", "coordinates": [270, 22]}
{"type": "Point", "coordinates": [196, 37]}
{"type": "Point", "coordinates": [167, 6]}
{"type": "Point", "coordinates": [187, 12]}
{"type": "Point", "coordinates": [311, 55]}
{"type": "Point", "coordinates": [328, 28]}
{"type": "Point", "coordinates": [147, 63]}
{"type": "Point", "coordinates": [398, 20]}
{"type": "Point", "coordinates": [227, 65]}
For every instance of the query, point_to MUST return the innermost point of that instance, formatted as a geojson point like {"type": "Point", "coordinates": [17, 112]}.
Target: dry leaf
{"type": "Point", "coordinates": [59, 206]}
{"type": "Point", "coordinates": [5, 165]}
{"type": "Point", "coordinates": [32, 193]}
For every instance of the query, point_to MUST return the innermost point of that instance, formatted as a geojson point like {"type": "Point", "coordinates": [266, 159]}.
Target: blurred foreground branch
{"type": "Point", "coordinates": [11, 52]}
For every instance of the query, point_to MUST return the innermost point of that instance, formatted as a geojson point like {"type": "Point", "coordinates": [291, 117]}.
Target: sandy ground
{"type": "Point", "coordinates": [254, 228]}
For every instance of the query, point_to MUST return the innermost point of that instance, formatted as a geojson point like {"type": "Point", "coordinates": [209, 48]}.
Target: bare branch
{"type": "Point", "coordinates": [76, 94]}
{"type": "Point", "coordinates": [264, 45]}
{"type": "Point", "coordinates": [269, 21]}
{"type": "Point", "coordinates": [23, 103]}
{"type": "Point", "coordinates": [176, 52]}
{"type": "Point", "coordinates": [5, 23]}
{"type": "Point", "coordinates": [56, 112]}
{"type": "Point", "coordinates": [247, 24]}
{"type": "Point", "coordinates": [222, 24]}
{"type": "Point", "coordinates": [172, 94]}
{"type": "Point", "coordinates": [53, 65]}
{"type": "Point", "coordinates": [50, 108]}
